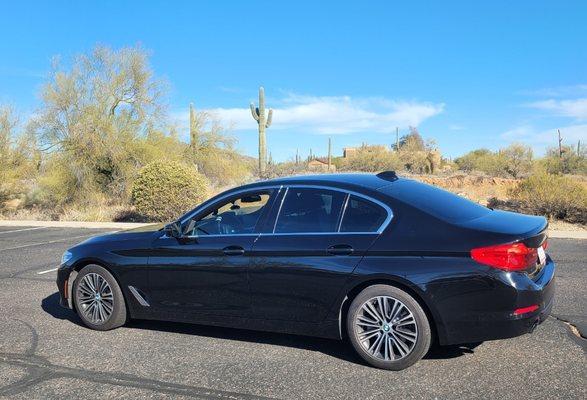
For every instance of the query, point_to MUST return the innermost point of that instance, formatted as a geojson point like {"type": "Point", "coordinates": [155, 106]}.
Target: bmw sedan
{"type": "Point", "coordinates": [389, 264]}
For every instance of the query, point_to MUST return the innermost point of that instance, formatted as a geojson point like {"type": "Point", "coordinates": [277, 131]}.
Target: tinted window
{"type": "Point", "coordinates": [437, 202]}
{"type": "Point", "coordinates": [237, 216]}
{"type": "Point", "coordinates": [310, 210]}
{"type": "Point", "coordinates": [362, 215]}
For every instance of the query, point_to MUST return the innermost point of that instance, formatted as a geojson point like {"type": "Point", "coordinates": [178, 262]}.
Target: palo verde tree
{"type": "Point", "coordinates": [264, 121]}
{"type": "Point", "coordinates": [93, 113]}
{"type": "Point", "coordinates": [19, 158]}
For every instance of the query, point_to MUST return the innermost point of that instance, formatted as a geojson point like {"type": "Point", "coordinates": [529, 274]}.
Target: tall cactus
{"type": "Point", "coordinates": [264, 121]}
{"type": "Point", "coordinates": [329, 154]}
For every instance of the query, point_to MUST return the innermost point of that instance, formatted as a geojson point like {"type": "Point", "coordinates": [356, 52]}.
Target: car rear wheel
{"type": "Point", "coordinates": [98, 299]}
{"type": "Point", "coordinates": [388, 328]}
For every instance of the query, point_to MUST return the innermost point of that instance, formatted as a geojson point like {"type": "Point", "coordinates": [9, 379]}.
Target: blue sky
{"type": "Point", "coordinates": [469, 74]}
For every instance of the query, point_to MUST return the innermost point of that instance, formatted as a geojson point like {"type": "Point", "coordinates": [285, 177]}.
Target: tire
{"type": "Point", "coordinates": [381, 344]}
{"type": "Point", "coordinates": [111, 313]}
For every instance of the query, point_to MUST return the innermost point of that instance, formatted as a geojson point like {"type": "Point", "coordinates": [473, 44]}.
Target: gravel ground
{"type": "Point", "coordinates": [46, 353]}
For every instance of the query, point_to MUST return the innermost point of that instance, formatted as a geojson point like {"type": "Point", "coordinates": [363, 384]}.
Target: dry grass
{"type": "Point", "coordinates": [478, 188]}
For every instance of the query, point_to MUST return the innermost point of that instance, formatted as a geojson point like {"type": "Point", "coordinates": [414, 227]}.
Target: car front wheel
{"type": "Point", "coordinates": [388, 328]}
{"type": "Point", "coordinates": [98, 299]}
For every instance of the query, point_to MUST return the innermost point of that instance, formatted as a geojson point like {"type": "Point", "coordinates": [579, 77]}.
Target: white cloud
{"type": "Point", "coordinates": [456, 127]}
{"type": "Point", "coordinates": [575, 108]}
{"type": "Point", "coordinates": [540, 138]}
{"type": "Point", "coordinates": [336, 114]}
{"type": "Point", "coordinates": [558, 91]}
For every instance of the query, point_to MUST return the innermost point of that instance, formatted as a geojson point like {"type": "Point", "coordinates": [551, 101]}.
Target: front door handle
{"type": "Point", "coordinates": [233, 251]}
{"type": "Point", "coordinates": [340, 250]}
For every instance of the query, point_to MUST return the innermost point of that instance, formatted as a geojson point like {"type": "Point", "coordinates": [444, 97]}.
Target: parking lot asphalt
{"type": "Point", "coordinates": [45, 352]}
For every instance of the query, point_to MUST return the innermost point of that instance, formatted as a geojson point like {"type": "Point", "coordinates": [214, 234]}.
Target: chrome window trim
{"type": "Point", "coordinates": [279, 209]}
{"type": "Point", "coordinates": [344, 206]}
{"type": "Point", "coordinates": [228, 195]}
{"type": "Point", "coordinates": [382, 227]}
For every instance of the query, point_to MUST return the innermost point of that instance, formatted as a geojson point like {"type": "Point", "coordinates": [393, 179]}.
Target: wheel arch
{"type": "Point", "coordinates": [436, 325]}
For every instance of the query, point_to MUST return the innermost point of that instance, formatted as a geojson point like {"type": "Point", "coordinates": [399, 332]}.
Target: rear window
{"type": "Point", "coordinates": [435, 201]}
{"type": "Point", "coordinates": [362, 216]}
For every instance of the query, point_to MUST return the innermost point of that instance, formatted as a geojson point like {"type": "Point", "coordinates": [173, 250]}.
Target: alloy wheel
{"type": "Point", "coordinates": [386, 328]}
{"type": "Point", "coordinates": [95, 298]}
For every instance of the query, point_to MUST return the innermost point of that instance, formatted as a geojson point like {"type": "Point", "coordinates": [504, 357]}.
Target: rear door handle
{"type": "Point", "coordinates": [340, 250]}
{"type": "Point", "coordinates": [233, 251]}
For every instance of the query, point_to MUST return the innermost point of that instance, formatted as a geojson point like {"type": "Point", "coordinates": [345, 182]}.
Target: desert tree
{"type": "Point", "coordinates": [93, 112]}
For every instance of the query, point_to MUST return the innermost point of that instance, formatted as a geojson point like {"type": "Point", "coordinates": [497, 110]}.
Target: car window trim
{"type": "Point", "coordinates": [279, 209]}
{"type": "Point", "coordinates": [207, 207]}
{"type": "Point", "coordinates": [342, 211]}
{"type": "Point", "coordinates": [348, 192]}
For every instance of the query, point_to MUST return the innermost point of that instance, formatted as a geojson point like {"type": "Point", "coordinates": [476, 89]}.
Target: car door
{"type": "Point", "coordinates": [300, 266]}
{"type": "Point", "coordinates": [205, 272]}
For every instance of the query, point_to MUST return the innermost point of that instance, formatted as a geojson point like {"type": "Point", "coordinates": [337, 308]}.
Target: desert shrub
{"type": "Point", "coordinates": [513, 161]}
{"type": "Point", "coordinates": [550, 195]}
{"type": "Point", "coordinates": [571, 161]}
{"type": "Point", "coordinates": [286, 168]}
{"type": "Point", "coordinates": [224, 167]}
{"type": "Point", "coordinates": [371, 159]}
{"type": "Point", "coordinates": [56, 185]}
{"type": "Point", "coordinates": [165, 190]}
{"type": "Point", "coordinates": [517, 160]}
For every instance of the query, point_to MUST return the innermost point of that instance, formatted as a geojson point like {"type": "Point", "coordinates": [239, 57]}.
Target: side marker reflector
{"type": "Point", "coordinates": [526, 310]}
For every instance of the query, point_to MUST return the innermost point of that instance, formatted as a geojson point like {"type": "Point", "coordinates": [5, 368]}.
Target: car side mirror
{"type": "Point", "coordinates": [173, 230]}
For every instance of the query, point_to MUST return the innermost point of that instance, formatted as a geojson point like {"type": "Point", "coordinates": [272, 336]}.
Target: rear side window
{"type": "Point", "coordinates": [435, 201]}
{"type": "Point", "coordinates": [309, 210]}
{"type": "Point", "coordinates": [362, 215]}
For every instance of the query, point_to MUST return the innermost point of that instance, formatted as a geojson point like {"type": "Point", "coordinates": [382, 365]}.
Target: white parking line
{"type": "Point", "coordinates": [49, 270]}
{"type": "Point", "coordinates": [51, 241]}
{"type": "Point", "coordinates": [25, 229]}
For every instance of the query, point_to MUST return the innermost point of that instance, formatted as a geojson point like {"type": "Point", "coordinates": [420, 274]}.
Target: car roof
{"type": "Point", "coordinates": [364, 180]}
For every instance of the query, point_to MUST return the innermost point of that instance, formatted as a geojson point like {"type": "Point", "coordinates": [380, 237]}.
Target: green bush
{"type": "Point", "coordinates": [571, 161]}
{"type": "Point", "coordinates": [371, 159]}
{"type": "Point", "coordinates": [513, 161]}
{"type": "Point", "coordinates": [551, 195]}
{"type": "Point", "coordinates": [165, 190]}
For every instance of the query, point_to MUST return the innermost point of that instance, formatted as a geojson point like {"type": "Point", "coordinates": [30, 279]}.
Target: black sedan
{"type": "Point", "coordinates": [391, 264]}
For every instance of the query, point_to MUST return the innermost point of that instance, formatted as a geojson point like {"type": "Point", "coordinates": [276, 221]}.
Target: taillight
{"type": "Point", "coordinates": [509, 257]}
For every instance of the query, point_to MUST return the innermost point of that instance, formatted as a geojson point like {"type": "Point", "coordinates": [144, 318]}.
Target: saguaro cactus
{"type": "Point", "coordinates": [264, 121]}
{"type": "Point", "coordinates": [329, 154]}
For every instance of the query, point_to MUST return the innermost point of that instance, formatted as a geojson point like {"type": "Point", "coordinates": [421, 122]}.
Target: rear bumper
{"type": "Point", "coordinates": [516, 290]}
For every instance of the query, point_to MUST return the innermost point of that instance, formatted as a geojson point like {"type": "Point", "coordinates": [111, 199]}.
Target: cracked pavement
{"type": "Point", "coordinates": [46, 353]}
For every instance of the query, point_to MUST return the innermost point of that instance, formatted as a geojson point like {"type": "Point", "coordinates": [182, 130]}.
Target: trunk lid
{"type": "Point", "coordinates": [506, 227]}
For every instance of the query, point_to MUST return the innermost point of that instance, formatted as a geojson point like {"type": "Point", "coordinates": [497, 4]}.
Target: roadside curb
{"type": "Point", "coordinates": [567, 234]}
{"type": "Point", "coordinates": [130, 225]}
{"type": "Point", "coordinates": [75, 224]}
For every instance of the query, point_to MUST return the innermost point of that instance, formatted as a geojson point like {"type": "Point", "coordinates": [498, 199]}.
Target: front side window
{"type": "Point", "coordinates": [362, 215]}
{"type": "Point", "coordinates": [237, 216]}
{"type": "Point", "coordinates": [310, 210]}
